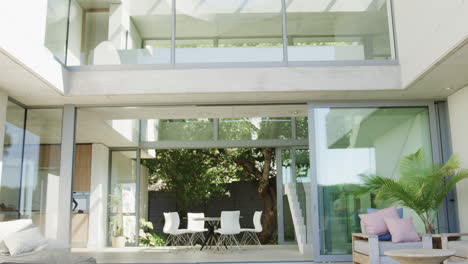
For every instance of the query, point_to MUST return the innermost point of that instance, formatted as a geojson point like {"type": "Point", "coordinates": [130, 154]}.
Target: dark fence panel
{"type": "Point", "coordinates": [243, 196]}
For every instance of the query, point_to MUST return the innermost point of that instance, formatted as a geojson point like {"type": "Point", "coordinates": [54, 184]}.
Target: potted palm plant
{"type": "Point", "coordinates": [421, 186]}
{"type": "Point", "coordinates": [116, 220]}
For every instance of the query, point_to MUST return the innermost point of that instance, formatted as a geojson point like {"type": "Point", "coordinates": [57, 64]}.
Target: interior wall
{"type": "Point", "coordinates": [458, 108]}
{"type": "Point", "coordinates": [95, 31]}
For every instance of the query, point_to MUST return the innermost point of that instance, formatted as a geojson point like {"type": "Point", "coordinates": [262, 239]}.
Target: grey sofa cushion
{"type": "Point", "coordinates": [460, 247]}
{"type": "Point", "coordinates": [362, 246]}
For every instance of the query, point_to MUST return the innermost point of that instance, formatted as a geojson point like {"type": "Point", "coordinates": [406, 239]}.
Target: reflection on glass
{"type": "Point", "coordinates": [336, 30]}
{"type": "Point", "coordinates": [302, 128]}
{"type": "Point", "coordinates": [255, 128]}
{"type": "Point", "coordinates": [122, 198]}
{"type": "Point", "coordinates": [56, 28]}
{"type": "Point", "coordinates": [119, 32]}
{"type": "Point", "coordinates": [41, 169]}
{"type": "Point", "coordinates": [228, 31]}
{"type": "Point", "coordinates": [11, 165]}
{"type": "Point", "coordinates": [355, 141]}
{"type": "Point", "coordinates": [177, 129]}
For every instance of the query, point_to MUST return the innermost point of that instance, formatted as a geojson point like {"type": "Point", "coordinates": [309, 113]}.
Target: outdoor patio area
{"type": "Point", "coordinates": [268, 253]}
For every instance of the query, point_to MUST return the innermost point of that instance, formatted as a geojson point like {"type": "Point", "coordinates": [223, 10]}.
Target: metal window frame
{"type": "Point", "coordinates": [312, 107]}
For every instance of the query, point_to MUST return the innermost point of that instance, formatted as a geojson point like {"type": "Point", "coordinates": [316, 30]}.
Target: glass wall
{"type": "Point", "coordinates": [41, 169]}
{"type": "Point", "coordinates": [56, 28]}
{"type": "Point", "coordinates": [29, 186]}
{"type": "Point", "coordinates": [361, 141]}
{"type": "Point", "coordinates": [332, 30]}
{"type": "Point", "coordinates": [228, 31]}
{"type": "Point", "coordinates": [124, 32]}
{"type": "Point", "coordinates": [255, 128]}
{"type": "Point", "coordinates": [177, 129]}
{"type": "Point", "coordinates": [212, 31]}
{"type": "Point", "coordinates": [10, 180]}
{"type": "Point", "coordinates": [123, 196]}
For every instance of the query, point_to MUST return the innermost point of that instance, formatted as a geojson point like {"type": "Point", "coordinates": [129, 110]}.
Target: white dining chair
{"type": "Point", "coordinates": [251, 234]}
{"type": "Point", "coordinates": [177, 237]}
{"type": "Point", "coordinates": [230, 227]}
{"type": "Point", "coordinates": [196, 227]}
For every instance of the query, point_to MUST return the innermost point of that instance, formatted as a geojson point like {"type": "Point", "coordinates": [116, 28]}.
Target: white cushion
{"type": "Point", "coordinates": [24, 241]}
{"type": "Point", "coordinates": [460, 247]}
{"type": "Point", "coordinates": [362, 246]}
{"type": "Point", "coordinates": [9, 227]}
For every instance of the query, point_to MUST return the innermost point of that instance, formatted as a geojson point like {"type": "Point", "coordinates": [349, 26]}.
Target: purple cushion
{"type": "Point", "coordinates": [402, 230]}
{"type": "Point", "coordinates": [374, 223]}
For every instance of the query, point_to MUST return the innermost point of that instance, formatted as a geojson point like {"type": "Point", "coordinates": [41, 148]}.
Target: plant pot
{"type": "Point", "coordinates": [118, 242]}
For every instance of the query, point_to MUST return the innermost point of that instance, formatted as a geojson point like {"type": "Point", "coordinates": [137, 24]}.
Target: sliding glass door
{"type": "Point", "coordinates": [350, 142]}
{"type": "Point", "coordinates": [123, 196]}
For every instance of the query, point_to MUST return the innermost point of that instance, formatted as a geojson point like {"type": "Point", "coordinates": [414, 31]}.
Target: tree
{"type": "Point", "coordinates": [421, 187]}
{"type": "Point", "coordinates": [259, 163]}
{"type": "Point", "coordinates": [194, 174]}
{"type": "Point", "coordinates": [198, 175]}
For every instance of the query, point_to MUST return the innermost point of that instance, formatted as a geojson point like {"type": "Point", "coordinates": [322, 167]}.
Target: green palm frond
{"type": "Point", "coordinates": [421, 186]}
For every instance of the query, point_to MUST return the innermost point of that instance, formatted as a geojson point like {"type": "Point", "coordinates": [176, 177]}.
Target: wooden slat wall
{"type": "Point", "coordinates": [82, 177]}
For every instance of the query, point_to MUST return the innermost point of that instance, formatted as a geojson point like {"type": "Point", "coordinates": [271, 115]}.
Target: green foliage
{"type": "Point", "coordinates": [196, 175]}
{"type": "Point", "coordinates": [421, 186]}
{"type": "Point", "coordinates": [150, 239]}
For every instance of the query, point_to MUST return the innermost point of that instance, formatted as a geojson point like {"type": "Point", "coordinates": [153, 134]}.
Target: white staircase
{"type": "Point", "coordinates": [300, 228]}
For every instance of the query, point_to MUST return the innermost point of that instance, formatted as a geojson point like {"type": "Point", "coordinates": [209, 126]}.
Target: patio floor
{"type": "Point", "coordinates": [266, 254]}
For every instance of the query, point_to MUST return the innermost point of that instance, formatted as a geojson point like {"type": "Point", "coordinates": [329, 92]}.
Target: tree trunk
{"type": "Point", "coordinates": [266, 191]}
{"type": "Point", "coordinates": [269, 214]}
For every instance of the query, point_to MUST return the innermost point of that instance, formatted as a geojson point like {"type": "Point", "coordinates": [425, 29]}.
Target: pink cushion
{"type": "Point", "coordinates": [402, 230]}
{"type": "Point", "coordinates": [374, 223]}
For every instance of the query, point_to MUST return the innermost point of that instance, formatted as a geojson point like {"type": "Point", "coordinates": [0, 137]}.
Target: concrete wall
{"type": "Point", "coordinates": [425, 31]}
{"type": "Point", "coordinates": [219, 80]}
{"type": "Point", "coordinates": [23, 27]}
{"type": "Point", "coordinates": [458, 110]}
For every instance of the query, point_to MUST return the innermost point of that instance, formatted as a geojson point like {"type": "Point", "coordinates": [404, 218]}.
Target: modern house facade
{"type": "Point", "coordinates": [92, 88]}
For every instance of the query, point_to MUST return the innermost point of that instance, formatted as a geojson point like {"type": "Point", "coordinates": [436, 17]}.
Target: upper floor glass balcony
{"type": "Point", "coordinates": [192, 32]}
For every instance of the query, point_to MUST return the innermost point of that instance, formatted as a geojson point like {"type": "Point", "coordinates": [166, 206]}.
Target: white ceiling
{"type": "Point", "coordinates": [19, 81]}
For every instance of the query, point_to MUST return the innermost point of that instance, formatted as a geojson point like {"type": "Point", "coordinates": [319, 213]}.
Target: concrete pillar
{"type": "Point", "coordinates": [66, 173]}
{"type": "Point", "coordinates": [97, 231]}
{"type": "Point", "coordinates": [3, 115]}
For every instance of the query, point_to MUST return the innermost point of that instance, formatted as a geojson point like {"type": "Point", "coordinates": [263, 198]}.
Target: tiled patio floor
{"type": "Point", "coordinates": [251, 254]}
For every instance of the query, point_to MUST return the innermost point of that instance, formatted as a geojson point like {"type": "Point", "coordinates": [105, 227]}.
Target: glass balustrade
{"type": "Point", "coordinates": [187, 32]}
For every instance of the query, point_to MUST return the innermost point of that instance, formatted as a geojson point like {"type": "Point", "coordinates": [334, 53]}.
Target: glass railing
{"type": "Point", "coordinates": [185, 32]}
